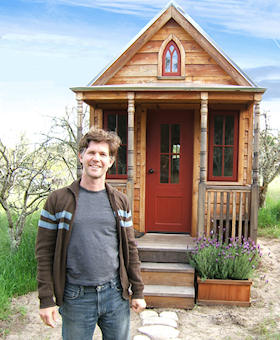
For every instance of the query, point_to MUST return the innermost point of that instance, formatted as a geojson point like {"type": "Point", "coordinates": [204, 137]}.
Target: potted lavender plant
{"type": "Point", "coordinates": [224, 270]}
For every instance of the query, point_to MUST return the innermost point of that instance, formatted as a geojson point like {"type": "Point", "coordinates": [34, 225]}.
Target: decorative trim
{"type": "Point", "coordinates": [182, 52]}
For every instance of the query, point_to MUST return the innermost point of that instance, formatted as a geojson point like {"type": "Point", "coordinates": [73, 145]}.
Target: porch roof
{"type": "Point", "coordinates": [169, 87]}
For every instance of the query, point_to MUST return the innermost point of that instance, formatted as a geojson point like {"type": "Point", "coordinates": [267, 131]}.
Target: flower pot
{"type": "Point", "coordinates": [224, 292]}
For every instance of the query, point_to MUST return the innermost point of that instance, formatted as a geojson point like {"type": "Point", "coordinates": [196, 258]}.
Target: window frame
{"type": "Point", "coordinates": [178, 73]}
{"type": "Point", "coordinates": [234, 177]}
{"type": "Point", "coordinates": [105, 124]}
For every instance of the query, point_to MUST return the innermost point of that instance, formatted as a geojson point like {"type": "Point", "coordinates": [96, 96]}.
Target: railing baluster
{"type": "Point", "coordinates": [233, 214]}
{"type": "Point", "coordinates": [240, 216]}
{"type": "Point", "coordinates": [221, 215]}
{"type": "Point", "coordinates": [208, 213]}
{"type": "Point", "coordinates": [246, 213]}
{"type": "Point", "coordinates": [215, 214]}
{"type": "Point", "coordinates": [227, 217]}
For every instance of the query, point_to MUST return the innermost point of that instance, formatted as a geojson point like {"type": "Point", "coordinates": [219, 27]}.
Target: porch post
{"type": "Point", "coordinates": [203, 163]}
{"type": "Point", "coordinates": [255, 185]}
{"type": "Point", "coordinates": [130, 148]}
{"type": "Point", "coordinates": [79, 97]}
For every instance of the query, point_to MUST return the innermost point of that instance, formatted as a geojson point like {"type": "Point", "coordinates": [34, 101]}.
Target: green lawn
{"type": "Point", "coordinates": [269, 215]}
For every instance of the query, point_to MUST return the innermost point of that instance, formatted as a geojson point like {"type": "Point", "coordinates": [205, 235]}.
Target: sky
{"type": "Point", "coordinates": [49, 46]}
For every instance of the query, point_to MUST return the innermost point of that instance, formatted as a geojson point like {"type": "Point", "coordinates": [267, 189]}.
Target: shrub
{"type": "Point", "coordinates": [215, 260]}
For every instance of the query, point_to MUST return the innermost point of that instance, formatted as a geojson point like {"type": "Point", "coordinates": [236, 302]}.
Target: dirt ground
{"type": "Point", "coordinates": [260, 321]}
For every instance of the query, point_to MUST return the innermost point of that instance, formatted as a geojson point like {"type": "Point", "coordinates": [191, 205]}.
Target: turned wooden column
{"type": "Point", "coordinates": [203, 163]}
{"type": "Point", "coordinates": [79, 99]}
{"type": "Point", "coordinates": [255, 185]}
{"type": "Point", "coordinates": [130, 147]}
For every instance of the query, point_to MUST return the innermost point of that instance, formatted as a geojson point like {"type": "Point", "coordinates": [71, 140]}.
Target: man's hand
{"type": "Point", "coordinates": [49, 316]}
{"type": "Point", "coordinates": [138, 305]}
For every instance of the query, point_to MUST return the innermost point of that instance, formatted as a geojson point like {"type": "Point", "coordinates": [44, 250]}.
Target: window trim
{"type": "Point", "coordinates": [182, 56]}
{"type": "Point", "coordinates": [105, 124]}
{"type": "Point", "coordinates": [234, 176]}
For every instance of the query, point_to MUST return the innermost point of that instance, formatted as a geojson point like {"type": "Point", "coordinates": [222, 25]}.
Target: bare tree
{"type": "Point", "coordinates": [25, 181]}
{"type": "Point", "coordinates": [269, 158]}
{"type": "Point", "coordinates": [63, 135]}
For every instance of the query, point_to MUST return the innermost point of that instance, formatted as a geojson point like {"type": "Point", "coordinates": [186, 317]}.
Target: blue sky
{"type": "Point", "coordinates": [48, 46]}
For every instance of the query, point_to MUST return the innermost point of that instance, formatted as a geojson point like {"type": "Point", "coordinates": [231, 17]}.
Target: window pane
{"type": "Point", "coordinates": [175, 138]}
{"type": "Point", "coordinates": [167, 62]}
{"type": "Point", "coordinates": [122, 128]}
{"type": "Point", "coordinates": [175, 62]}
{"type": "Point", "coordinates": [218, 130]}
{"type": "Point", "coordinates": [229, 130]}
{"type": "Point", "coordinates": [171, 48]}
{"type": "Point", "coordinates": [228, 156]}
{"type": "Point", "coordinates": [175, 168]}
{"type": "Point", "coordinates": [217, 161]}
{"type": "Point", "coordinates": [164, 168]}
{"type": "Point", "coordinates": [164, 138]}
{"type": "Point", "coordinates": [112, 122]}
{"type": "Point", "coordinates": [122, 160]}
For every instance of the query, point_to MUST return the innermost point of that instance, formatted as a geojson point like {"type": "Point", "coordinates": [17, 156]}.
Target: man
{"type": "Point", "coordinates": [86, 251]}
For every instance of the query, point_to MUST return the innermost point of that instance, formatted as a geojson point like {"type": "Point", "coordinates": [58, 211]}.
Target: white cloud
{"type": "Point", "coordinates": [258, 18]}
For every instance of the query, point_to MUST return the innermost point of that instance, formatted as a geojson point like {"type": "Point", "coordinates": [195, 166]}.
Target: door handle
{"type": "Point", "coordinates": [151, 171]}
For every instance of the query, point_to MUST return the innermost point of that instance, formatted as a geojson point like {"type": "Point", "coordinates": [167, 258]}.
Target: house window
{"type": "Point", "coordinates": [171, 63]}
{"type": "Point", "coordinates": [117, 121]}
{"type": "Point", "coordinates": [223, 146]}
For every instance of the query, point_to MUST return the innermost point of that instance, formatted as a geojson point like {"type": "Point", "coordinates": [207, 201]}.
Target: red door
{"type": "Point", "coordinates": [169, 171]}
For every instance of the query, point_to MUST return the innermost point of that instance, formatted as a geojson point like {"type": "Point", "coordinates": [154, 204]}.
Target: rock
{"type": "Point", "coordinates": [159, 321]}
{"type": "Point", "coordinates": [159, 332]}
{"type": "Point", "coordinates": [141, 337]}
{"type": "Point", "coordinates": [148, 314]}
{"type": "Point", "coordinates": [169, 315]}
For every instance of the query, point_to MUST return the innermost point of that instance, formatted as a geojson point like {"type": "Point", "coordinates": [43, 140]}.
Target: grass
{"type": "Point", "coordinates": [18, 268]}
{"type": "Point", "coordinates": [269, 215]}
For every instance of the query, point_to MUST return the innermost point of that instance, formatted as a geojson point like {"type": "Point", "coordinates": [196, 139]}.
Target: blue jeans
{"type": "Point", "coordinates": [84, 307]}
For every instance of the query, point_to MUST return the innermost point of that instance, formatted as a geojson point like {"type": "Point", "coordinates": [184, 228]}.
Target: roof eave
{"type": "Point", "coordinates": [132, 88]}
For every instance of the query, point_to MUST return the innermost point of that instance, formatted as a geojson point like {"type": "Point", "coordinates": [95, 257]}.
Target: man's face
{"type": "Point", "coordinates": [96, 160]}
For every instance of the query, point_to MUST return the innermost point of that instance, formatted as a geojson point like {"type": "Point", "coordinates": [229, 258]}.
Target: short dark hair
{"type": "Point", "coordinates": [99, 136]}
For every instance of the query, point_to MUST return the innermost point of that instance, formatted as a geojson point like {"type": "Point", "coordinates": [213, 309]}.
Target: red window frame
{"type": "Point", "coordinates": [105, 124]}
{"type": "Point", "coordinates": [234, 146]}
{"type": "Point", "coordinates": [167, 48]}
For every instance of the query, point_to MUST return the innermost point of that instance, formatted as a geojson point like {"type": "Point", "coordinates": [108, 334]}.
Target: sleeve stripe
{"type": "Point", "coordinates": [46, 214]}
{"type": "Point", "coordinates": [126, 224]}
{"type": "Point", "coordinates": [47, 225]}
{"type": "Point", "coordinates": [57, 216]}
{"type": "Point", "coordinates": [125, 214]}
{"type": "Point", "coordinates": [63, 214]}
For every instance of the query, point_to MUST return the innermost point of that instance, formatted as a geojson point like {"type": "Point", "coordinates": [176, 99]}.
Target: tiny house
{"type": "Point", "coordinates": [188, 117]}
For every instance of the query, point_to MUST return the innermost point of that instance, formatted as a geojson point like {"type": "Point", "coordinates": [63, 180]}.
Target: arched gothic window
{"type": "Point", "coordinates": [171, 63]}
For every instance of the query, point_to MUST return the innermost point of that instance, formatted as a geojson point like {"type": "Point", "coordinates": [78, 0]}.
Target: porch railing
{"type": "Point", "coordinates": [228, 212]}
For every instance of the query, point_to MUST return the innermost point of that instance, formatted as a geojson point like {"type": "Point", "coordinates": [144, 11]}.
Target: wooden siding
{"type": "Point", "coordinates": [199, 66]}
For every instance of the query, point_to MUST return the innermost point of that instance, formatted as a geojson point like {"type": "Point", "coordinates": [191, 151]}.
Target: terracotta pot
{"type": "Point", "coordinates": [224, 292]}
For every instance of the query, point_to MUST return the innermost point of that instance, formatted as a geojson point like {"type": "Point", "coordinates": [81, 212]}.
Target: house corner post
{"type": "Point", "coordinates": [255, 184]}
{"type": "Point", "coordinates": [203, 163]}
{"type": "Point", "coordinates": [130, 147]}
{"type": "Point", "coordinates": [79, 99]}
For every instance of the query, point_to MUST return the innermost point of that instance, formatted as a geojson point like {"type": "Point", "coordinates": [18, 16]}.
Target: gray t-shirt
{"type": "Point", "coordinates": [92, 255]}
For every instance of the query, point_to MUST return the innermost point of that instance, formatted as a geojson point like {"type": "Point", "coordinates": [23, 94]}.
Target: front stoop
{"type": "Point", "coordinates": [168, 279]}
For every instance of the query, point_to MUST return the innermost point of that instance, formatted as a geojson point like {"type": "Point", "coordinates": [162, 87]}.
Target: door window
{"type": "Point", "coordinates": [169, 153]}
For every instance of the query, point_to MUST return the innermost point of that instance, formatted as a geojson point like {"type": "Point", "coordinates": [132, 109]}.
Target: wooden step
{"type": "Point", "coordinates": [161, 296]}
{"type": "Point", "coordinates": [163, 255]}
{"type": "Point", "coordinates": [172, 274]}
{"type": "Point", "coordinates": [164, 248]}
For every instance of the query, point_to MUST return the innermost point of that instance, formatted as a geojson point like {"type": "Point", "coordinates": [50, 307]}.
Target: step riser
{"type": "Point", "coordinates": [168, 279]}
{"type": "Point", "coordinates": [162, 256]}
{"type": "Point", "coordinates": [169, 302]}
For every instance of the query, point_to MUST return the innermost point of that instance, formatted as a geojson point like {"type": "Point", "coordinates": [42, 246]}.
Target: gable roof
{"type": "Point", "coordinates": [173, 11]}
